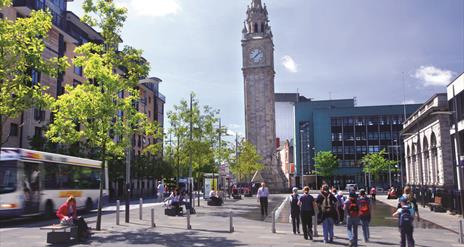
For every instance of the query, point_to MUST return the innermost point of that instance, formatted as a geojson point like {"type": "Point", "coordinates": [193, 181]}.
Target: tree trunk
{"type": "Point", "coordinates": [102, 177]}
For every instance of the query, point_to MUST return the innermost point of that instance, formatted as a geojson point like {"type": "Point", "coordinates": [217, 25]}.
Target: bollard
{"type": "Point", "coordinates": [315, 222]}
{"type": "Point", "coordinates": [153, 218]}
{"type": "Point", "coordinates": [231, 225]}
{"type": "Point", "coordinates": [273, 221]}
{"type": "Point", "coordinates": [189, 227]}
{"type": "Point", "coordinates": [461, 239]}
{"type": "Point", "coordinates": [140, 208]}
{"type": "Point", "coordinates": [117, 212]}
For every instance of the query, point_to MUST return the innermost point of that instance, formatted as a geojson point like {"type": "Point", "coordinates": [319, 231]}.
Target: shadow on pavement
{"type": "Point", "coordinates": [145, 236]}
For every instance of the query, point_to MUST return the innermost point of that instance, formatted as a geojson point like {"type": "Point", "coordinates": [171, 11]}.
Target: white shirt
{"type": "Point", "coordinates": [262, 192]}
{"type": "Point", "coordinates": [160, 188]}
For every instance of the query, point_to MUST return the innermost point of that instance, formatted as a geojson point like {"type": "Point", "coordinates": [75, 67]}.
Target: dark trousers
{"type": "Point", "coordinates": [406, 236]}
{"type": "Point", "coordinates": [263, 202]}
{"type": "Point", "coordinates": [307, 223]}
{"type": "Point", "coordinates": [296, 221]}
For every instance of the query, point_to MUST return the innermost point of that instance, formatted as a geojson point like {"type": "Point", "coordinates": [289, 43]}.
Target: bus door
{"type": "Point", "coordinates": [31, 188]}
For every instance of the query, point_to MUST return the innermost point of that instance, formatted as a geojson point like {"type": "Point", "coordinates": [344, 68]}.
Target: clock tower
{"type": "Point", "coordinates": [258, 74]}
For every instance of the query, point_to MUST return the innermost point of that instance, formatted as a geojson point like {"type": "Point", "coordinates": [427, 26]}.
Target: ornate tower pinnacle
{"type": "Point", "coordinates": [257, 21]}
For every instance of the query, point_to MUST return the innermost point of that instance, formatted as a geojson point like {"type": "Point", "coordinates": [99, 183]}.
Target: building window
{"type": "Point", "coordinates": [39, 115]}
{"type": "Point", "coordinates": [13, 129]}
{"type": "Point", "coordinates": [38, 131]}
{"type": "Point", "coordinates": [78, 70]}
{"type": "Point", "coordinates": [35, 77]}
{"type": "Point", "coordinates": [76, 82]}
{"type": "Point", "coordinates": [149, 114]}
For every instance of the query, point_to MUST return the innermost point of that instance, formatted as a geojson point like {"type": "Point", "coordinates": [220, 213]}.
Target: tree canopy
{"type": "Point", "coordinates": [326, 163]}
{"type": "Point", "coordinates": [247, 162]}
{"type": "Point", "coordinates": [103, 109]}
{"type": "Point", "coordinates": [376, 163]}
{"type": "Point", "coordinates": [22, 44]}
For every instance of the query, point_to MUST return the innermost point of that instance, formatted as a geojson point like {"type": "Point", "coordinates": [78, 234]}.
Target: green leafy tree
{"type": "Point", "coordinates": [94, 111]}
{"type": "Point", "coordinates": [376, 163]}
{"type": "Point", "coordinates": [21, 48]}
{"type": "Point", "coordinates": [247, 162]}
{"type": "Point", "coordinates": [326, 163]}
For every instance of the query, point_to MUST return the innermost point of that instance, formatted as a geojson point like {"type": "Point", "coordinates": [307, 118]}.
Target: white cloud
{"type": "Point", "coordinates": [152, 8]}
{"type": "Point", "coordinates": [289, 64]}
{"type": "Point", "coordinates": [433, 76]}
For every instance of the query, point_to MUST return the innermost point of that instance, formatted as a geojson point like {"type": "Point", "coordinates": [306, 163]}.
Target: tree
{"type": "Point", "coordinates": [248, 162]}
{"type": "Point", "coordinates": [95, 111]}
{"type": "Point", "coordinates": [21, 48]}
{"type": "Point", "coordinates": [376, 163]}
{"type": "Point", "coordinates": [325, 163]}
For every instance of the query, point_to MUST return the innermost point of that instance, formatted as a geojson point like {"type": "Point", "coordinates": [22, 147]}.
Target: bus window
{"type": "Point", "coordinates": [8, 174]}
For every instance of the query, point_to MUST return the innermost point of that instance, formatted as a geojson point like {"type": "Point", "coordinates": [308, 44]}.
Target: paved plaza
{"type": "Point", "coordinates": [210, 227]}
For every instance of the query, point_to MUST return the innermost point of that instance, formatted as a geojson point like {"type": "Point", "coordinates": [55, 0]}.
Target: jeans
{"type": "Point", "coordinates": [296, 221]}
{"type": "Point", "coordinates": [263, 203]}
{"type": "Point", "coordinates": [307, 223]}
{"type": "Point", "coordinates": [365, 227]}
{"type": "Point", "coordinates": [406, 234]}
{"type": "Point", "coordinates": [352, 229]}
{"type": "Point", "coordinates": [328, 229]}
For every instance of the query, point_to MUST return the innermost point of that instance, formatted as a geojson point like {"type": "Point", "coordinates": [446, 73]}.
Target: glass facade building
{"type": "Point", "coordinates": [349, 132]}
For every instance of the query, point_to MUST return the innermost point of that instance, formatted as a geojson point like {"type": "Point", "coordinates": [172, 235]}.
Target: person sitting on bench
{"type": "Point", "coordinates": [67, 213]}
{"type": "Point", "coordinates": [215, 198]}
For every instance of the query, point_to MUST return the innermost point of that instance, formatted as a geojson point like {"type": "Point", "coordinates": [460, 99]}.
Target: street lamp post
{"type": "Point", "coordinates": [301, 158]}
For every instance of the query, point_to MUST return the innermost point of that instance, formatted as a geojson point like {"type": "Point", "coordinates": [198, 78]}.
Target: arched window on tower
{"type": "Point", "coordinates": [262, 27]}
{"type": "Point", "coordinates": [256, 28]}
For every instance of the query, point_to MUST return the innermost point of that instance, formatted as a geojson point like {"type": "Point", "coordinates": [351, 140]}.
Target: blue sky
{"type": "Point", "coordinates": [342, 49]}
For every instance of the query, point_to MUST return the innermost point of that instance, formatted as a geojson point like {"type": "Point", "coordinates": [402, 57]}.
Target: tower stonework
{"type": "Point", "coordinates": [258, 73]}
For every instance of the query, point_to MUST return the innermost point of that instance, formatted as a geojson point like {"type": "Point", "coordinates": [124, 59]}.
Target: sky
{"type": "Point", "coordinates": [381, 52]}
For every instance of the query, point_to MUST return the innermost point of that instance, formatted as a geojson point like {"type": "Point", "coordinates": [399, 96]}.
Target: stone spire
{"type": "Point", "coordinates": [256, 4]}
{"type": "Point", "coordinates": [257, 21]}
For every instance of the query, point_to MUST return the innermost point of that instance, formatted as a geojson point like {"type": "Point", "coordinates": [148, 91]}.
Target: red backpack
{"type": "Point", "coordinates": [353, 208]}
{"type": "Point", "coordinates": [363, 206]}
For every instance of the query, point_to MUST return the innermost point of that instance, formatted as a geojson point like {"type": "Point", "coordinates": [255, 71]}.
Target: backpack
{"type": "Point", "coordinates": [405, 219]}
{"type": "Point", "coordinates": [363, 207]}
{"type": "Point", "coordinates": [294, 202]}
{"type": "Point", "coordinates": [327, 204]}
{"type": "Point", "coordinates": [353, 208]}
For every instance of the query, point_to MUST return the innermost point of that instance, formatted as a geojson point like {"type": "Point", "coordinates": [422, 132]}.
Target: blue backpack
{"type": "Point", "coordinates": [406, 218]}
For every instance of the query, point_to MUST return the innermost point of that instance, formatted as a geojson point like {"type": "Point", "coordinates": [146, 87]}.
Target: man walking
{"type": "Point", "coordinates": [329, 212]}
{"type": "Point", "coordinates": [364, 213]}
{"type": "Point", "coordinates": [352, 218]}
{"type": "Point", "coordinates": [262, 195]}
{"type": "Point", "coordinates": [307, 205]}
{"type": "Point", "coordinates": [295, 210]}
{"type": "Point", "coordinates": [161, 190]}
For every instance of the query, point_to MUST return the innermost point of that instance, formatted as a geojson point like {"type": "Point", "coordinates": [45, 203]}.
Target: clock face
{"type": "Point", "coordinates": [256, 55]}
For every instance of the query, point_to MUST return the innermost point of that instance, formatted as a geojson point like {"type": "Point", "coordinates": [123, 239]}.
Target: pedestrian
{"type": "Point", "coordinates": [262, 195]}
{"type": "Point", "coordinates": [405, 220]}
{"type": "Point", "coordinates": [328, 209]}
{"type": "Point", "coordinates": [341, 200]}
{"type": "Point", "coordinates": [373, 193]}
{"type": "Point", "coordinates": [295, 210]}
{"type": "Point", "coordinates": [307, 205]}
{"type": "Point", "coordinates": [364, 213]}
{"type": "Point", "coordinates": [407, 193]}
{"type": "Point", "coordinates": [161, 190]}
{"type": "Point", "coordinates": [351, 208]}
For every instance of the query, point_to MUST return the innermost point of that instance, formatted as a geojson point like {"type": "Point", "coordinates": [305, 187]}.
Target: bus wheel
{"type": "Point", "coordinates": [49, 209]}
{"type": "Point", "coordinates": [88, 205]}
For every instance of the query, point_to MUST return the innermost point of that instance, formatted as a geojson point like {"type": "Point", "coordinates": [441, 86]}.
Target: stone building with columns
{"type": "Point", "coordinates": [427, 144]}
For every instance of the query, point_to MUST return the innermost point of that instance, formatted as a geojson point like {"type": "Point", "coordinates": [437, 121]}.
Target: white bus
{"type": "Point", "coordinates": [33, 182]}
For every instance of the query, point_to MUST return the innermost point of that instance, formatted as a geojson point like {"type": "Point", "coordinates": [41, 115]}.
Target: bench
{"type": "Point", "coordinates": [436, 205]}
{"type": "Point", "coordinates": [58, 234]}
